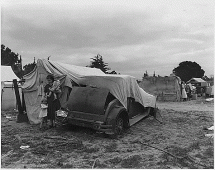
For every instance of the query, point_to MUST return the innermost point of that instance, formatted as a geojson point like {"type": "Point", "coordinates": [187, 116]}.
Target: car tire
{"type": "Point", "coordinates": [120, 122]}
{"type": "Point", "coordinates": [119, 126]}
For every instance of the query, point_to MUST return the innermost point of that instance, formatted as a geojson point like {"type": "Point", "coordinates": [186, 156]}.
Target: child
{"type": "Point", "coordinates": [55, 87]}
{"type": "Point", "coordinates": [43, 112]}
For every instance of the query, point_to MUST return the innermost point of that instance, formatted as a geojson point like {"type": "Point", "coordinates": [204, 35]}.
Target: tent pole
{"type": "Point", "coordinates": [21, 117]}
{"type": "Point", "coordinates": [23, 102]}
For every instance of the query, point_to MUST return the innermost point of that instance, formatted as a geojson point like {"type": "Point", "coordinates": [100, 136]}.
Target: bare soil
{"type": "Point", "coordinates": [179, 142]}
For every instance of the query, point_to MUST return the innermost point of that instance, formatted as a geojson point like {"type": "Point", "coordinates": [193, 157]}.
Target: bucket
{"type": "Point", "coordinates": [194, 97]}
{"type": "Point", "coordinates": [203, 95]}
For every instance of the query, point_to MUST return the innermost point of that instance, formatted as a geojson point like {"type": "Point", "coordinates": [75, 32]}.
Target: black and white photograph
{"type": "Point", "coordinates": [107, 84]}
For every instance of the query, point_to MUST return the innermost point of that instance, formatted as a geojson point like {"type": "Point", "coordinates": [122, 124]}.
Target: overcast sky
{"type": "Point", "coordinates": [132, 36]}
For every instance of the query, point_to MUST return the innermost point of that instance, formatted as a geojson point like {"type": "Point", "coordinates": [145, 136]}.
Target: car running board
{"type": "Point", "coordinates": [139, 117]}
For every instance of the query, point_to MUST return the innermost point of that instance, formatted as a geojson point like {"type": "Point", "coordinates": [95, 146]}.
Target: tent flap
{"type": "Point", "coordinates": [7, 74]}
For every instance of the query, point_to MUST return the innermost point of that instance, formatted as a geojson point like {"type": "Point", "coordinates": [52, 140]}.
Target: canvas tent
{"type": "Point", "coordinates": [210, 90]}
{"type": "Point", "coordinates": [165, 88]}
{"type": "Point", "coordinates": [198, 82]}
{"type": "Point", "coordinates": [120, 86]}
{"type": "Point", "coordinates": [36, 80]}
{"type": "Point", "coordinates": [8, 98]}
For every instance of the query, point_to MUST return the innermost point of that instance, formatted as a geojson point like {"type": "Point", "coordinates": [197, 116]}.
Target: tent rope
{"type": "Point", "coordinates": [177, 157]}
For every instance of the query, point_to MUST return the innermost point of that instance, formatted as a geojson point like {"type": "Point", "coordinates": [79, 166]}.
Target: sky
{"type": "Point", "coordinates": [131, 35]}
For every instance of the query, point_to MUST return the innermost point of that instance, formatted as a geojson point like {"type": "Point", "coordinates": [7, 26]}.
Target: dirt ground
{"type": "Point", "coordinates": [179, 142]}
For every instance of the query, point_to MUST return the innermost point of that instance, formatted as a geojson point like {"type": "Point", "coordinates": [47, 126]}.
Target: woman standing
{"type": "Point", "coordinates": [183, 92]}
{"type": "Point", "coordinates": [53, 104]}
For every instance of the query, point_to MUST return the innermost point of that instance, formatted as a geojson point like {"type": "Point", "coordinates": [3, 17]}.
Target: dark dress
{"type": "Point", "coordinates": [53, 105]}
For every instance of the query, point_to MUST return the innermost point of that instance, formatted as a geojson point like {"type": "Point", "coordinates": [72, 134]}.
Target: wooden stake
{"type": "Point", "coordinates": [16, 88]}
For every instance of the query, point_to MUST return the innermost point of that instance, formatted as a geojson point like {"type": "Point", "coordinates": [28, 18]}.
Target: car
{"type": "Point", "coordinates": [109, 103]}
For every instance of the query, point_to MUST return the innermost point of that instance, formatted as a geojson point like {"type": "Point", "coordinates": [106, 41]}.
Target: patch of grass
{"type": "Point", "coordinates": [115, 160]}
{"type": "Point", "coordinates": [200, 134]}
{"type": "Point", "coordinates": [158, 138]}
{"type": "Point", "coordinates": [76, 144]}
{"type": "Point", "coordinates": [111, 147]}
{"type": "Point", "coordinates": [194, 145]}
{"type": "Point", "coordinates": [16, 157]}
{"type": "Point", "coordinates": [131, 162]}
{"type": "Point", "coordinates": [67, 166]}
{"type": "Point", "coordinates": [151, 157]}
{"type": "Point", "coordinates": [5, 149]}
{"type": "Point", "coordinates": [203, 118]}
{"type": "Point", "coordinates": [179, 119]}
{"type": "Point", "coordinates": [208, 142]}
{"type": "Point", "coordinates": [90, 150]}
{"type": "Point", "coordinates": [45, 161]}
{"type": "Point", "coordinates": [86, 156]}
{"type": "Point", "coordinates": [182, 159]}
{"type": "Point", "coordinates": [198, 155]}
{"type": "Point", "coordinates": [177, 151]}
{"type": "Point", "coordinates": [129, 150]}
{"type": "Point", "coordinates": [209, 152]}
{"type": "Point", "coordinates": [100, 165]}
{"type": "Point", "coordinates": [180, 135]}
{"type": "Point", "coordinates": [168, 160]}
{"type": "Point", "coordinates": [40, 150]}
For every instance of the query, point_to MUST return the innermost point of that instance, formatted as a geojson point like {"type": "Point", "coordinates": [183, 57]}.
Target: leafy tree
{"type": "Point", "coordinates": [99, 63]}
{"type": "Point", "coordinates": [17, 69]}
{"type": "Point", "coordinates": [28, 68]}
{"type": "Point", "coordinates": [9, 58]}
{"type": "Point", "coordinates": [187, 70]}
{"type": "Point", "coordinates": [146, 74]}
{"type": "Point", "coordinates": [206, 78]}
{"type": "Point", "coordinates": [111, 72]}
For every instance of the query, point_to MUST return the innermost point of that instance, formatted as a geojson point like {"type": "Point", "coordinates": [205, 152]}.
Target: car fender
{"type": "Point", "coordinates": [113, 110]}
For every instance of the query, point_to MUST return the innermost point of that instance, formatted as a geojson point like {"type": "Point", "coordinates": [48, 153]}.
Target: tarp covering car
{"type": "Point", "coordinates": [121, 86]}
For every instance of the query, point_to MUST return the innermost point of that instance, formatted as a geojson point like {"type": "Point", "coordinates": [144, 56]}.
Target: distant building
{"type": "Point", "coordinates": [165, 88]}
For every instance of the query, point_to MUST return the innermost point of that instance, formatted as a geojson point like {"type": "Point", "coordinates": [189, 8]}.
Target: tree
{"type": "Point", "coordinates": [146, 74]}
{"type": "Point", "coordinates": [28, 68]}
{"type": "Point", "coordinates": [9, 58]}
{"type": "Point", "coordinates": [99, 63]}
{"type": "Point", "coordinates": [187, 70]}
{"type": "Point", "coordinates": [206, 78]}
{"type": "Point", "coordinates": [111, 72]}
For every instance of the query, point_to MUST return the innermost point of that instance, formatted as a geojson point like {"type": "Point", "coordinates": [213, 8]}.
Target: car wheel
{"type": "Point", "coordinates": [119, 126]}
